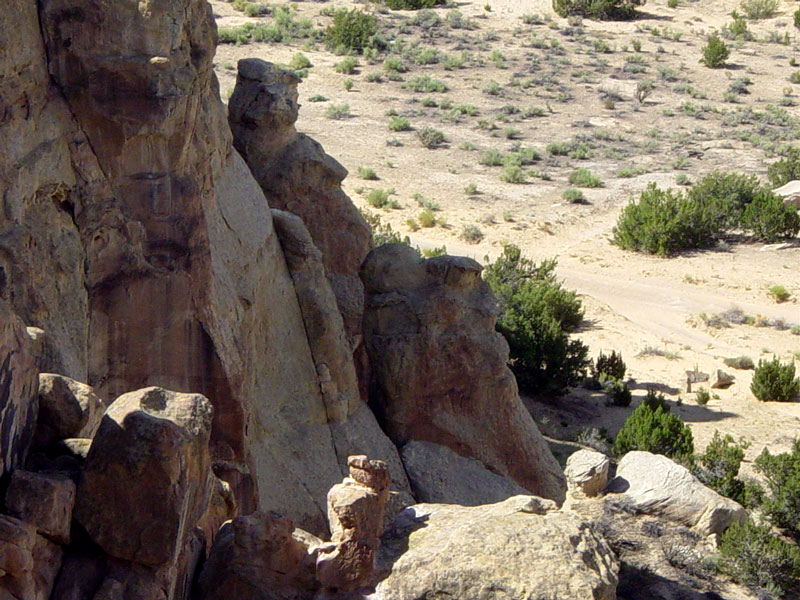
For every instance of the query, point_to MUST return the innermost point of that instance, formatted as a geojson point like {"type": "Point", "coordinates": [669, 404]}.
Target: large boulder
{"type": "Point", "coordinates": [440, 368]}
{"type": "Point", "coordinates": [440, 476]}
{"type": "Point", "coordinates": [656, 485]}
{"type": "Point", "coordinates": [298, 176]}
{"type": "Point", "coordinates": [518, 549]}
{"type": "Point", "coordinates": [67, 409]}
{"type": "Point", "coordinates": [260, 557]}
{"type": "Point", "coordinates": [147, 477]}
{"type": "Point", "coordinates": [18, 387]}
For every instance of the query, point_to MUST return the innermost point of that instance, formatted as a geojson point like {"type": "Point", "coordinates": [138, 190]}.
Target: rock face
{"type": "Point", "coordinates": [440, 476]}
{"type": "Point", "coordinates": [440, 367]}
{"type": "Point", "coordinates": [521, 548]}
{"type": "Point", "coordinates": [147, 477]}
{"type": "Point", "coordinates": [67, 409]}
{"type": "Point", "coordinates": [44, 501]}
{"type": "Point", "coordinates": [18, 387]}
{"type": "Point", "coordinates": [355, 514]}
{"type": "Point", "coordinates": [323, 321]}
{"type": "Point", "coordinates": [298, 176]}
{"type": "Point", "coordinates": [656, 485]}
{"type": "Point", "coordinates": [260, 557]}
{"type": "Point", "coordinates": [28, 562]}
{"type": "Point", "coordinates": [587, 472]}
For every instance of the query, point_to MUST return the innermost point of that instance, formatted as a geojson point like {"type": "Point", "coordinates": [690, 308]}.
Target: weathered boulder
{"type": "Point", "coordinates": [656, 485]}
{"type": "Point", "coordinates": [297, 175]}
{"type": "Point", "coordinates": [723, 380]}
{"type": "Point", "coordinates": [355, 514]}
{"type": "Point", "coordinates": [45, 501]}
{"type": "Point", "coordinates": [28, 562]}
{"type": "Point", "coordinates": [221, 508]}
{"type": "Point", "coordinates": [330, 349]}
{"type": "Point", "coordinates": [18, 386]}
{"type": "Point", "coordinates": [587, 472]}
{"type": "Point", "coordinates": [790, 192]}
{"type": "Point", "coordinates": [260, 557]}
{"type": "Point", "coordinates": [67, 409]}
{"type": "Point", "coordinates": [440, 366]}
{"type": "Point", "coordinates": [520, 548]}
{"type": "Point", "coordinates": [440, 476]}
{"type": "Point", "coordinates": [147, 477]}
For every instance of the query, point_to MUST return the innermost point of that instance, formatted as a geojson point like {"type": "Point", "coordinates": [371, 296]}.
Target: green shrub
{"type": "Point", "coordinates": [513, 174]}
{"type": "Point", "coordinates": [367, 173]}
{"type": "Point", "coordinates": [584, 178]}
{"type": "Point", "coordinates": [610, 365]}
{"type": "Point", "coordinates": [337, 111]}
{"type": "Point", "coordinates": [655, 431]}
{"type": "Point", "coordinates": [750, 554]}
{"type": "Point", "coordinates": [597, 9]}
{"type": "Point", "coordinates": [718, 466]}
{"type": "Point", "coordinates": [382, 233]}
{"type": "Point", "coordinates": [769, 219]}
{"type": "Point", "coordinates": [739, 362]}
{"type": "Point", "coordinates": [537, 315]}
{"type": "Point", "coordinates": [425, 83]}
{"type": "Point", "coordinates": [346, 66]}
{"type": "Point", "coordinates": [664, 222]}
{"type": "Point", "coordinates": [618, 392]}
{"type": "Point", "coordinates": [399, 124]}
{"type": "Point", "coordinates": [759, 9]}
{"type": "Point", "coordinates": [299, 61]}
{"type": "Point", "coordinates": [426, 218]}
{"type": "Point", "coordinates": [411, 4]}
{"type": "Point", "coordinates": [796, 18]}
{"type": "Point", "coordinates": [574, 196]}
{"type": "Point", "coordinates": [654, 400]}
{"type": "Point", "coordinates": [491, 158]}
{"type": "Point", "coordinates": [430, 137]}
{"type": "Point", "coordinates": [774, 381]}
{"type": "Point", "coordinates": [715, 52]}
{"type": "Point", "coordinates": [726, 194]}
{"type": "Point", "coordinates": [351, 30]}
{"type": "Point", "coordinates": [378, 198]}
{"type": "Point", "coordinates": [786, 169]}
{"type": "Point", "coordinates": [471, 234]}
{"type": "Point", "coordinates": [779, 293]}
{"type": "Point", "coordinates": [781, 503]}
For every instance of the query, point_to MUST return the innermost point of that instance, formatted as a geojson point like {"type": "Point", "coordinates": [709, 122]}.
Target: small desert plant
{"type": "Point", "coordinates": [774, 381]}
{"type": "Point", "coordinates": [597, 9]}
{"type": "Point", "coordinates": [347, 65]}
{"type": "Point", "coordinates": [739, 362]}
{"type": "Point", "coordinates": [654, 400]}
{"type": "Point", "coordinates": [786, 169]}
{"type": "Point", "coordinates": [382, 233]}
{"type": "Point", "coordinates": [752, 555]}
{"type": "Point", "coordinates": [399, 124]}
{"type": "Point", "coordinates": [574, 196]}
{"type": "Point", "coordinates": [351, 31]}
{"type": "Point", "coordinates": [411, 4]}
{"type": "Point", "coordinates": [491, 158]}
{"type": "Point", "coordinates": [394, 64]}
{"type": "Point", "coordinates": [430, 137]}
{"type": "Point", "coordinates": [779, 293]}
{"type": "Point", "coordinates": [513, 174]}
{"type": "Point", "coordinates": [367, 173]}
{"type": "Point", "coordinates": [584, 178]}
{"type": "Point", "coordinates": [337, 111]}
{"type": "Point", "coordinates": [769, 219]}
{"type": "Point", "coordinates": [655, 431]}
{"type": "Point", "coordinates": [715, 52]}
{"type": "Point", "coordinates": [426, 218]}
{"type": "Point", "coordinates": [759, 9]}
{"type": "Point", "coordinates": [610, 365]}
{"type": "Point", "coordinates": [718, 466]}
{"type": "Point", "coordinates": [644, 89]}
{"type": "Point", "coordinates": [471, 234]}
{"type": "Point", "coordinates": [618, 392]}
{"type": "Point", "coordinates": [702, 396]}
{"type": "Point", "coordinates": [378, 198]}
{"type": "Point", "coordinates": [425, 83]}
{"type": "Point", "coordinates": [299, 61]}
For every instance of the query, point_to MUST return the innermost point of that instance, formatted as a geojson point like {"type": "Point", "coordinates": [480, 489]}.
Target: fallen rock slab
{"type": "Point", "coordinates": [518, 549]}
{"type": "Point", "coordinates": [656, 485]}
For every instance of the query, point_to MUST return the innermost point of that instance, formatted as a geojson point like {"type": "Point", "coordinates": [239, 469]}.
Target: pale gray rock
{"type": "Point", "coordinates": [519, 549]}
{"type": "Point", "coordinates": [439, 475]}
{"type": "Point", "coordinates": [657, 485]}
{"type": "Point", "coordinates": [587, 472]}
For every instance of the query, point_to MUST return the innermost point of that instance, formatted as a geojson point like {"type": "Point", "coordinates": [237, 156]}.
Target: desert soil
{"type": "Point", "coordinates": [584, 76]}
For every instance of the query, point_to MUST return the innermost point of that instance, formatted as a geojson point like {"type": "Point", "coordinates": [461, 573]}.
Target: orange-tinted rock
{"type": "Point", "coordinates": [43, 500]}
{"type": "Point", "coordinates": [440, 366]}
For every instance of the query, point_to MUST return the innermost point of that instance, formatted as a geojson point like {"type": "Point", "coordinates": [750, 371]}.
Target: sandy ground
{"type": "Point", "coordinates": [632, 301]}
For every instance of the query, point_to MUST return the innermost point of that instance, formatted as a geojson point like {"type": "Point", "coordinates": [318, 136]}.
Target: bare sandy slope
{"type": "Point", "coordinates": [633, 302]}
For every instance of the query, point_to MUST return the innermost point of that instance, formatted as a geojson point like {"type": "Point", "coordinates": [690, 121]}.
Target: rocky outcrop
{"type": "Point", "coordinates": [18, 388]}
{"type": "Point", "coordinates": [587, 472]}
{"type": "Point", "coordinates": [147, 477]}
{"type": "Point", "coordinates": [656, 485]}
{"type": "Point", "coordinates": [518, 549]}
{"type": "Point", "coordinates": [298, 176]}
{"type": "Point", "coordinates": [28, 562]}
{"type": "Point", "coordinates": [45, 501]}
{"type": "Point", "coordinates": [440, 476]}
{"type": "Point", "coordinates": [440, 367]}
{"type": "Point", "coordinates": [67, 409]}
{"type": "Point", "coordinates": [355, 514]}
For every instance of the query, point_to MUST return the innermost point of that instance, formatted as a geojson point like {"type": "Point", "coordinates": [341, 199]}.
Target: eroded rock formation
{"type": "Point", "coordinates": [440, 367]}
